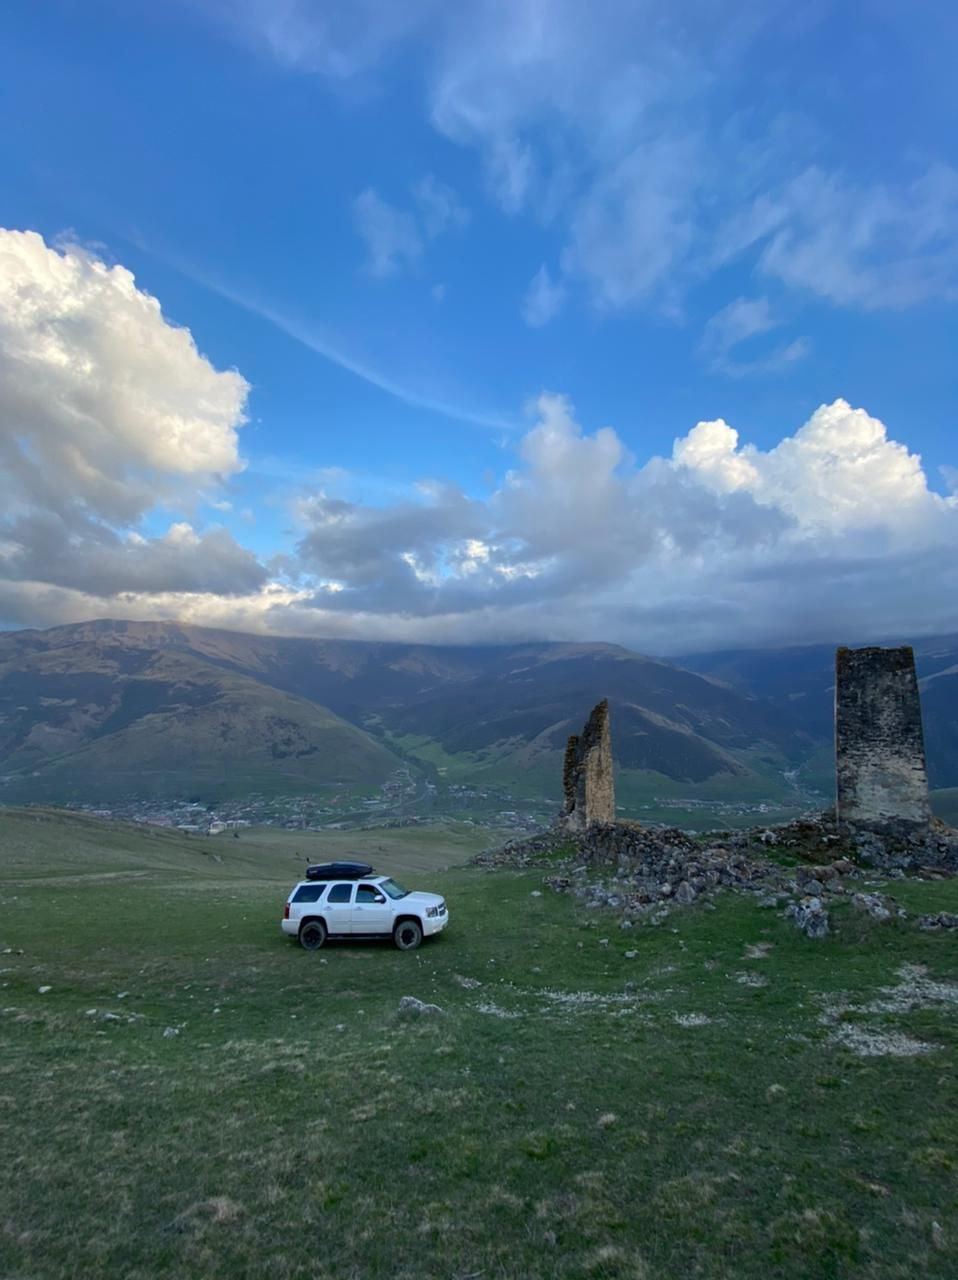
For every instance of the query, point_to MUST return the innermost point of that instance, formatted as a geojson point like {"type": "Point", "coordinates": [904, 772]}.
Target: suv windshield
{"type": "Point", "coordinates": [394, 889]}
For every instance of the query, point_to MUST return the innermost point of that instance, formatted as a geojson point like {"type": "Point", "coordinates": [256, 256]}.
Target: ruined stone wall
{"type": "Point", "coordinates": [587, 781]}
{"type": "Point", "coordinates": [879, 749]}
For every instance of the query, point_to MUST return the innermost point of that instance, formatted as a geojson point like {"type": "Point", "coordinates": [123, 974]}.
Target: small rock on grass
{"type": "Point", "coordinates": [939, 920]}
{"type": "Point", "coordinates": [757, 950]}
{"type": "Point", "coordinates": [876, 906]}
{"type": "Point", "coordinates": [409, 1006]}
{"type": "Point", "coordinates": [809, 916]}
{"type": "Point", "coordinates": [43, 990]}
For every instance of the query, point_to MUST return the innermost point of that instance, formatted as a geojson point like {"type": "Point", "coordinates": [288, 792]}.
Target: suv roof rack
{"type": "Point", "coordinates": [338, 871]}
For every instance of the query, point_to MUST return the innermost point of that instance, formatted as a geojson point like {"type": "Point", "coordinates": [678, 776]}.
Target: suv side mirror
{"type": "Point", "coordinates": [379, 898]}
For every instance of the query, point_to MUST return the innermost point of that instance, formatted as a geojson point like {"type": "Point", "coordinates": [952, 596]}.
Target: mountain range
{"type": "Point", "coordinates": [103, 709]}
{"type": "Point", "coordinates": [800, 683]}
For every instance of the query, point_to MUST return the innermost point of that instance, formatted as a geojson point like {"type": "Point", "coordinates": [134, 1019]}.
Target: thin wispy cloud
{"type": "Point", "coordinates": [740, 322]}
{"type": "Point", "coordinates": [621, 134]}
{"type": "Point", "coordinates": [395, 238]}
{"type": "Point", "coordinates": [543, 300]}
{"type": "Point", "coordinates": [302, 332]}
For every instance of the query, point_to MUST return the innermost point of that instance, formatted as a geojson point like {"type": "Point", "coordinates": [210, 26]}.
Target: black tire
{"type": "Point", "coordinates": [312, 935]}
{"type": "Point", "coordinates": [407, 935]}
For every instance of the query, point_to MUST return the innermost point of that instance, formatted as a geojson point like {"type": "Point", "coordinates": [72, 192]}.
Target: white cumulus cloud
{"type": "Point", "coordinates": [722, 543]}
{"type": "Point", "coordinates": [97, 387]}
{"type": "Point", "coordinates": [106, 410]}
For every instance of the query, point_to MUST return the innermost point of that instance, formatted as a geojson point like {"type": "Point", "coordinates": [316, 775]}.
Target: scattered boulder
{"type": "Point", "coordinates": [685, 895]}
{"type": "Point", "coordinates": [938, 920]}
{"type": "Point", "coordinates": [810, 916]}
{"type": "Point", "coordinates": [877, 906]}
{"type": "Point", "coordinates": [409, 1006]}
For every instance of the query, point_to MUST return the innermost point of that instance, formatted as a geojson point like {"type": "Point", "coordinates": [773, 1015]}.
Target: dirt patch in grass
{"type": "Point", "coordinates": [872, 1042]}
{"type": "Point", "coordinates": [218, 1210]}
{"type": "Point", "coordinates": [913, 991]}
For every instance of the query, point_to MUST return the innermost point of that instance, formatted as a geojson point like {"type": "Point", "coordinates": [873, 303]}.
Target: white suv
{"type": "Point", "coordinates": [369, 907]}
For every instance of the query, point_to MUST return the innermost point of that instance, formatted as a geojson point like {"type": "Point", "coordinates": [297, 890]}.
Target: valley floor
{"type": "Point", "coordinates": [185, 1093]}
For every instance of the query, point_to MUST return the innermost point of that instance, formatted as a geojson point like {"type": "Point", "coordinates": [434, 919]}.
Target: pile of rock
{"type": "Point", "coordinates": [818, 840]}
{"type": "Point", "coordinates": [878, 907]}
{"type": "Point", "coordinates": [644, 871]}
{"type": "Point", "coordinates": [650, 870]}
{"type": "Point", "coordinates": [939, 920]}
{"type": "Point", "coordinates": [906, 845]}
{"type": "Point", "coordinates": [545, 849]}
{"type": "Point", "coordinates": [888, 846]}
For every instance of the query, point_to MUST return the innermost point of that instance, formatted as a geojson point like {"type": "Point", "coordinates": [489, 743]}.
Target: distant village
{"type": "Point", "coordinates": [402, 801]}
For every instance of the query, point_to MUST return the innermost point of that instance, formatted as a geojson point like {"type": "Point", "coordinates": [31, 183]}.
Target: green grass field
{"type": "Point", "coordinates": [194, 1096]}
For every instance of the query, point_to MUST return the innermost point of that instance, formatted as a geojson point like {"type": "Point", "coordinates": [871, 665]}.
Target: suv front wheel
{"type": "Point", "coordinates": [407, 935]}
{"type": "Point", "coordinates": [312, 935]}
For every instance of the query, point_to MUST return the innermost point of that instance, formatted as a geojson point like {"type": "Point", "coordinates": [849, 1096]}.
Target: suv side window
{"type": "Point", "coordinates": [340, 893]}
{"type": "Point", "coordinates": [309, 893]}
{"type": "Point", "coordinates": [368, 893]}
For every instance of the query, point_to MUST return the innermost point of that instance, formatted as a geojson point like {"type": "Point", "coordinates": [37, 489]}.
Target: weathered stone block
{"type": "Point", "coordinates": [587, 781]}
{"type": "Point", "coordinates": [879, 748]}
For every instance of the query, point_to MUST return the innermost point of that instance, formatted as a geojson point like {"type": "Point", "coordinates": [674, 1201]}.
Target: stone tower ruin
{"type": "Point", "coordinates": [587, 783]}
{"type": "Point", "coordinates": [879, 748]}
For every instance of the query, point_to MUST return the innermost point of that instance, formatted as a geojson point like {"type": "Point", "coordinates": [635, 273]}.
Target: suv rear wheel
{"type": "Point", "coordinates": [407, 935]}
{"type": "Point", "coordinates": [312, 935]}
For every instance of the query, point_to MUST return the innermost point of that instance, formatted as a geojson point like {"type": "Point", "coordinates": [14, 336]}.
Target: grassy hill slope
{"type": "Point", "coordinates": [186, 1094]}
{"type": "Point", "coordinates": [48, 843]}
{"type": "Point", "coordinates": [98, 720]}
{"type": "Point", "coordinates": [507, 707]}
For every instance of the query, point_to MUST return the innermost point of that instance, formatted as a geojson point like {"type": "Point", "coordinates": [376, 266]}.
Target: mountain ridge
{"type": "Point", "coordinates": [74, 697]}
{"type": "Point", "coordinates": [85, 706]}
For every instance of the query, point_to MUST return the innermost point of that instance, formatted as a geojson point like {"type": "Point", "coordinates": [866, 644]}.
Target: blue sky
{"type": "Point", "coordinates": [402, 226]}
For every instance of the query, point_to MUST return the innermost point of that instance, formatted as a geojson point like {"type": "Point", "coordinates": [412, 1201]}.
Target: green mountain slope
{"type": "Point", "coordinates": [800, 682]}
{"type": "Point", "coordinates": [98, 718]}
{"type": "Point", "coordinates": [111, 706]}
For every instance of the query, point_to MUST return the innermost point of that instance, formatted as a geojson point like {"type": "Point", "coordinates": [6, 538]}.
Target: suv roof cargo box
{"type": "Point", "coordinates": [338, 871]}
